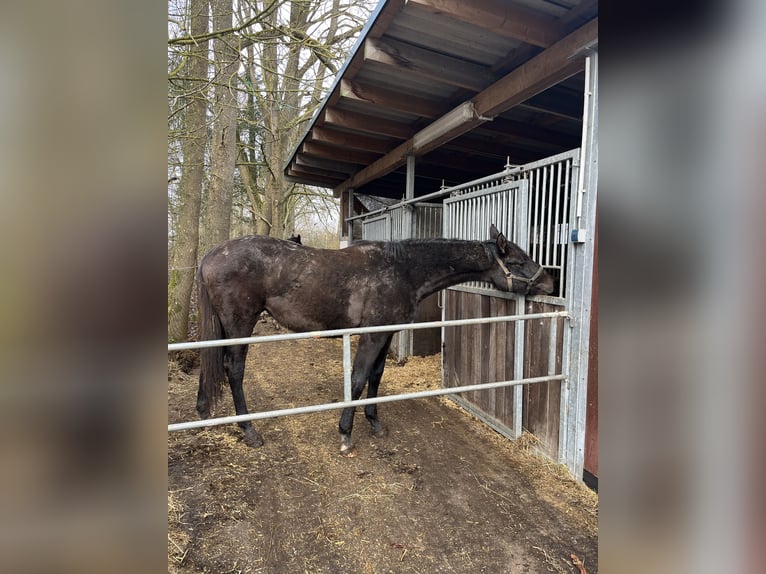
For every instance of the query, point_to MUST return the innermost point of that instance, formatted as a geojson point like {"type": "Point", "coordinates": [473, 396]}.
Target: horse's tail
{"type": "Point", "coordinates": [211, 373]}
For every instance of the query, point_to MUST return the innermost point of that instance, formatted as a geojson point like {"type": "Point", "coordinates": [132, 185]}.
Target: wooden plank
{"type": "Point", "coordinates": [542, 400]}
{"type": "Point", "coordinates": [340, 167]}
{"type": "Point", "coordinates": [366, 123]}
{"type": "Point", "coordinates": [331, 136]}
{"type": "Point", "coordinates": [339, 154]}
{"type": "Point", "coordinates": [480, 355]}
{"type": "Point", "coordinates": [506, 348]}
{"type": "Point", "coordinates": [499, 17]}
{"type": "Point", "coordinates": [427, 341]}
{"type": "Point", "coordinates": [306, 170]}
{"type": "Point", "coordinates": [308, 178]}
{"type": "Point", "coordinates": [450, 341]}
{"type": "Point", "coordinates": [378, 28]}
{"type": "Point", "coordinates": [425, 63]}
{"type": "Point", "coordinates": [504, 129]}
{"type": "Point", "coordinates": [543, 71]}
{"type": "Point", "coordinates": [383, 98]}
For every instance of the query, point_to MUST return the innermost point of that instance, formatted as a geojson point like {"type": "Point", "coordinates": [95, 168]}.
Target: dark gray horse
{"type": "Point", "coordinates": [306, 289]}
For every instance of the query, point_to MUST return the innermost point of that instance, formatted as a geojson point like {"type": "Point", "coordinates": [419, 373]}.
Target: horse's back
{"type": "Point", "coordinates": [306, 288]}
{"type": "Point", "coordinates": [247, 253]}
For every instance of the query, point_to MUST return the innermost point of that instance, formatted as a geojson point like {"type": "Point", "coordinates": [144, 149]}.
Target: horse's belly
{"type": "Point", "coordinates": [306, 317]}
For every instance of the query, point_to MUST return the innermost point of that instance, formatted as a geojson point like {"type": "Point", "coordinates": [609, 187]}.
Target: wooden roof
{"type": "Point", "coordinates": [462, 86]}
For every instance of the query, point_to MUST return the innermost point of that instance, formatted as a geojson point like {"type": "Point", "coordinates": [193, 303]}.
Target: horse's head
{"type": "Point", "coordinates": [514, 270]}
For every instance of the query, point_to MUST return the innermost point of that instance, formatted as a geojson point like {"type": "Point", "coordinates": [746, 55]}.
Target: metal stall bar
{"type": "Point", "coordinates": [346, 368]}
{"type": "Point", "coordinates": [346, 333]}
{"type": "Point", "coordinates": [521, 230]}
{"type": "Point", "coordinates": [580, 286]}
{"type": "Point", "coordinates": [359, 331]}
{"type": "Point", "coordinates": [357, 403]}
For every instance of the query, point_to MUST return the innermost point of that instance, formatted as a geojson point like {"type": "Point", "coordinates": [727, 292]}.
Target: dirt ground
{"type": "Point", "coordinates": [441, 493]}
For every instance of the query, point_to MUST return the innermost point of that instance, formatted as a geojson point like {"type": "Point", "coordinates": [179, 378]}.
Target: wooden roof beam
{"type": "Point", "coordinates": [549, 67]}
{"type": "Point", "coordinates": [366, 123]}
{"type": "Point", "coordinates": [499, 17]}
{"type": "Point", "coordinates": [427, 64]}
{"type": "Point", "coordinates": [339, 168]}
{"type": "Point", "coordinates": [339, 154]}
{"type": "Point", "coordinates": [390, 99]}
{"type": "Point", "coordinates": [310, 178]}
{"type": "Point", "coordinates": [544, 70]}
{"type": "Point", "coordinates": [330, 136]}
{"type": "Point", "coordinates": [529, 132]}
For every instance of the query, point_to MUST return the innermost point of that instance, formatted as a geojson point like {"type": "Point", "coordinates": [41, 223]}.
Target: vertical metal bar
{"type": "Point", "coordinates": [534, 228]}
{"type": "Point", "coordinates": [586, 120]}
{"type": "Point", "coordinates": [350, 224]}
{"type": "Point", "coordinates": [553, 333]}
{"type": "Point", "coordinates": [409, 189]}
{"type": "Point", "coordinates": [521, 218]}
{"type": "Point", "coordinates": [564, 399]}
{"type": "Point", "coordinates": [582, 255]}
{"type": "Point", "coordinates": [558, 219]}
{"type": "Point", "coordinates": [552, 349]}
{"type": "Point", "coordinates": [406, 215]}
{"type": "Point", "coordinates": [518, 367]}
{"type": "Point", "coordinates": [543, 210]}
{"type": "Point", "coordinates": [549, 225]}
{"type": "Point", "coordinates": [346, 368]}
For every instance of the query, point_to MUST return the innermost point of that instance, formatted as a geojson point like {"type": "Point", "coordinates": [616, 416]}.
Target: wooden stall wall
{"type": "Point", "coordinates": [542, 401]}
{"type": "Point", "coordinates": [476, 354]}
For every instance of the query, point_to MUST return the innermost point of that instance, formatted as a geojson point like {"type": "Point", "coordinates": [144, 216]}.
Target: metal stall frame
{"type": "Point", "coordinates": [564, 244]}
{"type": "Point", "coordinates": [580, 279]}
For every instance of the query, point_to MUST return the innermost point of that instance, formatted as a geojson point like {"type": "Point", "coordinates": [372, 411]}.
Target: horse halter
{"type": "Point", "coordinates": [509, 275]}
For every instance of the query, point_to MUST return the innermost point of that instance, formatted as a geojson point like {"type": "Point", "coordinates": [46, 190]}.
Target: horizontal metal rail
{"type": "Point", "coordinates": [361, 330]}
{"type": "Point", "coordinates": [436, 194]}
{"type": "Point", "coordinates": [346, 334]}
{"type": "Point", "coordinates": [357, 403]}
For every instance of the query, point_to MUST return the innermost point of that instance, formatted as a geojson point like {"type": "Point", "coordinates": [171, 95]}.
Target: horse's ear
{"type": "Point", "coordinates": [498, 238]}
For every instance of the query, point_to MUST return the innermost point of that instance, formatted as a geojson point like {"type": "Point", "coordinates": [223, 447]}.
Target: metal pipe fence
{"type": "Point", "coordinates": [346, 334]}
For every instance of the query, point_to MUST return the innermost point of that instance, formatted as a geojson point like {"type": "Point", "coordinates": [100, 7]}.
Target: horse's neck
{"type": "Point", "coordinates": [436, 266]}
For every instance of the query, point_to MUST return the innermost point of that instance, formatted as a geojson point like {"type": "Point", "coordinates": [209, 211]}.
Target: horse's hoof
{"type": "Point", "coordinates": [347, 447]}
{"type": "Point", "coordinates": [253, 439]}
{"type": "Point", "coordinates": [379, 430]}
{"type": "Point", "coordinates": [349, 452]}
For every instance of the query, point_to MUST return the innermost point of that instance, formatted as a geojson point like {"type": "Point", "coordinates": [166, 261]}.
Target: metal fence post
{"type": "Point", "coordinates": [346, 368]}
{"type": "Point", "coordinates": [579, 290]}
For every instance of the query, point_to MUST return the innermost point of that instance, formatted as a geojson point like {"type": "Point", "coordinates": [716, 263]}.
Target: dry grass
{"type": "Point", "coordinates": [178, 538]}
{"type": "Point", "coordinates": [297, 504]}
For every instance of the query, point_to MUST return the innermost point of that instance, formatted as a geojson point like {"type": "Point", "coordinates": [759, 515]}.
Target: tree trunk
{"type": "Point", "coordinates": [184, 256]}
{"type": "Point", "coordinates": [223, 144]}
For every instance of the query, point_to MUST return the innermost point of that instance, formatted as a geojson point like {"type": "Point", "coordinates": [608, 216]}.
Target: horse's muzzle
{"type": "Point", "coordinates": [542, 285]}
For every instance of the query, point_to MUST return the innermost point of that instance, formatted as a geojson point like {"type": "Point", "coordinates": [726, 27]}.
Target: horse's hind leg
{"type": "Point", "coordinates": [371, 411]}
{"type": "Point", "coordinates": [235, 370]}
{"type": "Point", "coordinates": [367, 353]}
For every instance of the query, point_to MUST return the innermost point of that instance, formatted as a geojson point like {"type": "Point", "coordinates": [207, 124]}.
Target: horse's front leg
{"type": "Point", "coordinates": [366, 358]}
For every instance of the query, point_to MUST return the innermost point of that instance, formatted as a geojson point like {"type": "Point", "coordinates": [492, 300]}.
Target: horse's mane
{"type": "Point", "coordinates": [399, 249]}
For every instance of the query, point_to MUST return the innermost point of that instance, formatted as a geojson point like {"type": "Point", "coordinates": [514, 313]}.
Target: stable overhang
{"type": "Point", "coordinates": [463, 86]}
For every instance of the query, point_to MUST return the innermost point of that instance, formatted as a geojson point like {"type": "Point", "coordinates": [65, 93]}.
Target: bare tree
{"type": "Point", "coordinates": [300, 49]}
{"type": "Point", "coordinates": [238, 118]}
{"type": "Point", "coordinates": [183, 255]}
{"type": "Point", "coordinates": [223, 142]}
